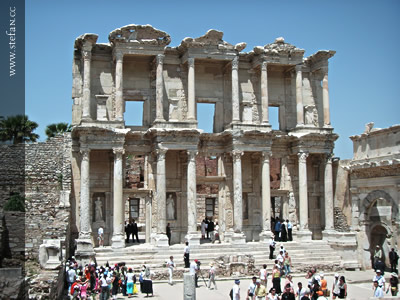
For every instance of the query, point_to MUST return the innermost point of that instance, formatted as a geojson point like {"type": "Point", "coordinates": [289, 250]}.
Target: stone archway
{"type": "Point", "coordinates": [377, 236]}
{"type": "Point", "coordinates": [371, 198]}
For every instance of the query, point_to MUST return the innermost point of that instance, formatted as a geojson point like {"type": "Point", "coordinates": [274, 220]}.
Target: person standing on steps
{"type": "Point", "coordinates": [277, 229]}
{"type": "Point", "coordinates": [171, 266]}
{"type": "Point", "coordinates": [186, 253]}
{"type": "Point", "coordinates": [289, 230]}
{"type": "Point", "coordinates": [271, 247]}
{"type": "Point", "coordinates": [135, 232]}
{"type": "Point", "coordinates": [168, 231]}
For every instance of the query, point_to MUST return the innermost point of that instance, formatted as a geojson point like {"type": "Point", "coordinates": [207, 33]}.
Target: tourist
{"type": "Point", "coordinates": [186, 254]}
{"type": "Point", "coordinates": [283, 231]}
{"type": "Point", "coordinates": [301, 291]}
{"type": "Point", "coordinates": [288, 293]}
{"type": "Point", "coordinates": [287, 263]}
{"type": "Point", "coordinates": [272, 295]}
{"type": "Point", "coordinates": [129, 282]}
{"type": "Point", "coordinates": [263, 275]}
{"type": "Point", "coordinates": [276, 279]}
{"type": "Point", "coordinates": [71, 276]}
{"type": "Point", "coordinates": [289, 281]}
{"type": "Point", "coordinates": [393, 284]}
{"type": "Point", "coordinates": [207, 222]}
{"type": "Point", "coordinates": [251, 289]}
{"type": "Point", "coordinates": [280, 259]}
{"type": "Point", "coordinates": [393, 258]}
{"type": "Point", "coordinates": [100, 236]}
{"type": "Point", "coordinates": [236, 290]}
{"type": "Point", "coordinates": [260, 291]}
{"type": "Point", "coordinates": [379, 277]}
{"type": "Point", "coordinates": [115, 284]}
{"type": "Point", "coordinates": [306, 296]}
{"type": "Point", "coordinates": [171, 266]}
{"type": "Point", "coordinates": [377, 256]}
{"type": "Point", "coordinates": [135, 231]}
{"type": "Point", "coordinates": [277, 229]}
{"type": "Point", "coordinates": [194, 270]}
{"type": "Point", "coordinates": [342, 288]}
{"type": "Point", "coordinates": [289, 230]}
{"type": "Point", "coordinates": [203, 228]}
{"type": "Point", "coordinates": [216, 233]}
{"type": "Point", "coordinates": [127, 231]}
{"type": "Point", "coordinates": [324, 284]}
{"type": "Point", "coordinates": [147, 284]}
{"type": "Point", "coordinates": [105, 282]}
{"type": "Point", "coordinates": [210, 229]}
{"type": "Point", "coordinates": [168, 231]}
{"type": "Point", "coordinates": [271, 247]}
{"type": "Point", "coordinates": [211, 276]}
{"type": "Point", "coordinates": [378, 291]}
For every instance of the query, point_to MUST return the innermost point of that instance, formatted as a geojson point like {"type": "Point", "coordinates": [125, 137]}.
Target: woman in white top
{"type": "Point", "coordinates": [272, 295]}
{"type": "Point", "coordinates": [203, 228]}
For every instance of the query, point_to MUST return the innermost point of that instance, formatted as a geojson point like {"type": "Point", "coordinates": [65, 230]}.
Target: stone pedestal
{"type": "Point", "coordinates": [303, 235]}
{"type": "Point", "coordinates": [84, 253]}
{"type": "Point", "coordinates": [160, 240]}
{"type": "Point", "coordinates": [265, 236]}
{"type": "Point", "coordinates": [193, 238]}
{"type": "Point", "coordinates": [50, 254]}
{"type": "Point", "coordinates": [238, 238]}
{"type": "Point", "coordinates": [118, 241]}
{"type": "Point", "coordinates": [189, 287]}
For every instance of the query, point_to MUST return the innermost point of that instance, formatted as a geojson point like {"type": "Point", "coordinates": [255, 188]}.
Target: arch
{"type": "Point", "coordinates": [371, 197]}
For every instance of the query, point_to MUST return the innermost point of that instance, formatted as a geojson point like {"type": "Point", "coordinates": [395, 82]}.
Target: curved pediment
{"type": "Point", "coordinates": [141, 34]}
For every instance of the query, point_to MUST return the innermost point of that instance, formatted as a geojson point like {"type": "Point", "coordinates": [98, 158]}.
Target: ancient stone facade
{"type": "Point", "coordinates": [237, 186]}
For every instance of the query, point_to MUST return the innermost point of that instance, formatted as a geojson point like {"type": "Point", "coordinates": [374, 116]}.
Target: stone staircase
{"type": "Point", "coordinates": [303, 255]}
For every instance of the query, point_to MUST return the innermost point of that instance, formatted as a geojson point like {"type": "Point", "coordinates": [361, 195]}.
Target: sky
{"type": "Point", "coordinates": [364, 80]}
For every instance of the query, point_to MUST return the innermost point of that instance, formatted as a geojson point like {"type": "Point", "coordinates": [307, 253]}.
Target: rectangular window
{"type": "Point", "coordinates": [134, 208]}
{"type": "Point", "coordinates": [210, 207]}
{"type": "Point", "coordinates": [133, 113]}
{"type": "Point", "coordinates": [205, 116]}
{"type": "Point", "coordinates": [273, 112]}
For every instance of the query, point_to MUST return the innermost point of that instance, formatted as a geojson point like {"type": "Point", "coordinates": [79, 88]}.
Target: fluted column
{"type": "Point", "coordinates": [119, 101]}
{"type": "Point", "coordinates": [191, 191]}
{"type": "Point", "coordinates": [159, 88]}
{"type": "Point", "coordinates": [237, 191]}
{"type": "Point", "coordinates": [191, 90]}
{"type": "Point", "coordinates": [87, 58]}
{"type": "Point", "coordinates": [264, 93]}
{"type": "Point", "coordinates": [325, 98]}
{"type": "Point", "coordinates": [118, 238]}
{"type": "Point", "coordinates": [85, 230]}
{"type": "Point", "coordinates": [328, 185]}
{"type": "Point", "coordinates": [299, 96]}
{"type": "Point", "coordinates": [235, 90]}
{"type": "Point", "coordinates": [303, 193]}
{"type": "Point", "coordinates": [266, 192]}
{"type": "Point", "coordinates": [161, 191]}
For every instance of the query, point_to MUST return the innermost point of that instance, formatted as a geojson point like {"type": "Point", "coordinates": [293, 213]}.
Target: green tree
{"type": "Point", "coordinates": [18, 129]}
{"type": "Point", "coordinates": [57, 128]}
{"type": "Point", "coordinates": [15, 203]}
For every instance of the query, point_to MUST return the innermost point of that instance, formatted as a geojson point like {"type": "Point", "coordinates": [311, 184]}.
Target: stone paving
{"type": "Point", "coordinates": [359, 287]}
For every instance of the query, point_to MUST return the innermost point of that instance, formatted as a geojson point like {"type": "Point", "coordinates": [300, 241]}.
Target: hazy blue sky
{"type": "Point", "coordinates": [363, 75]}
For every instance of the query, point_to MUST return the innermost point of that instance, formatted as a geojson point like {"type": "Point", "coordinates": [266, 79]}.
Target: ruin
{"type": "Point", "coordinates": [241, 174]}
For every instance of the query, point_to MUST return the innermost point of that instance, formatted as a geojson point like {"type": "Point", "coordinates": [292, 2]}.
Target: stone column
{"type": "Point", "coordinates": [87, 57]}
{"type": "Point", "coordinates": [266, 195]}
{"type": "Point", "coordinates": [118, 238]}
{"type": "Point", "coordinates": [238, 236]}
{"type": "Point", "coordinates": [299, 96]}
{"type": "Point", "coordinates": [193, 237]}
{"type": "Point", "coordinates": [264, 93]}
{"type": "Point", "coordinates": [119, 100]}
{"type": "Point", "coordinates": [159, 89]}
{"type": "Point", "coordinates": [148, 217]}
{"type": "Point", "coordinates": [85, 230]}
{"type": "Point", "coordinates": [235, 90]}
{"type": "Point", "coordinates": [325, 98]}
{"type": "Point", "coordinates": [303, 193]}
{"type": "Point", "coordinates": [191, 90]}
{"type": "Point", "coordinates": [328, 185]}
{"type": "Point", "coordinates": [161, 238]}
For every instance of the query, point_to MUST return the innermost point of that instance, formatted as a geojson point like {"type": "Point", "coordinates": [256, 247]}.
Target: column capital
{"type": "Point", "coordinates": [264, 65]}
{"type": "Point", "coordinates": [235, 63]}
{"type": "Point", "coordinates": [191, 154]}
{"type": "Point", "coordinates": [329, 158]}
{"type": "Point", "coordinates": [266, 155]}
{"type": "Point", "coordinates": [303, 156]}
{"type": "Point", "coordinates": [87, 54]}
{"type": "Point", "coordinates": [237, 155]}
{"type": "Point", "coordinates": [119, 55]}
{"type": "Point", "coordinates": [85, 153]}
{"type": "Point", "coordinates": [160, 59]}
{"type": "Point", "coordinates": [118, 151]}
{"type": "Point", "coordinates": [190, 61]}
{"type": "Point", "coordinates": [299, 68]}
{"type": "Point", "coordinates": [161, 153]}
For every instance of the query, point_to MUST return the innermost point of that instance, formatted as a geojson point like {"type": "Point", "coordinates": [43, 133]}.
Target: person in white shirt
{"type": "Point", "coordinates": [71, 277]}
{"type": "Point", "coordinates": [251, 289]}
{"type": "Point", "coordinates": [300, 292]}
{"type": "Point", "coordinates": [171, 266]}
{"type": "Point", "coordinates": [236, 290]}
{"type": "Point", "coordinates": [263, 275]}
{"type": "Point", "coordinates": [100, 233]}
{"type": "Point", "coordinates": [380, 279]}
{"type": "Point", "coordinates": [289, 229]}
{"type": "Point", "coordinates": [203, 228]}
{"type": "Point", "coordinates": [280, 259]}
{"type": "Point", "coordinates": [271, 247]}
{"type": "Point", "coordinates": [378, 291]}
{"type": "Point", "coordinates": [211, 276]}
{"type": "Point", "coordinates": [186, 253]}
{"type": "Point", "coordinates": [194, 269]}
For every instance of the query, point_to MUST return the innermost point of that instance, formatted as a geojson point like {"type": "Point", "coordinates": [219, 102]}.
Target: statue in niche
{"type": "Point", "coordinates": [98, 210]}
{"type": "Point", "coordinates": [170, 207]}
{"type": "Point", "coordinates": [311, 115]}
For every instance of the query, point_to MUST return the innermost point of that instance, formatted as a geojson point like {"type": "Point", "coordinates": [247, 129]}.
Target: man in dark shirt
{"type": "Point", "coordinates": [288, 295]}
{"type": "Point", "coordinates": [135, 232]}
{"type": "Point", "coordinates": [168, 231]}
{"type": "Point", "coordinates": [394, 258]}
{"type": "Point", "coordinates": [210, 229]}
{"type": "Point", "coordinates": [277, 229]}
{"type": "Point", "coordinates": [127, 231]}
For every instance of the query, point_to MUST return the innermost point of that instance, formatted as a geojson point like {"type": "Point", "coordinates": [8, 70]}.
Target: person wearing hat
{"type": "Point", "coordinates": [381, 280]}
{"type": "Point", "coordinates": [194, 270]}
{"type": "Point", "coordinates": [260, 291]}
{"type": "Point", "coordinates": [377, 255]}
{"type": "Point", "coordinates": [211, 276]}
{"type": "Point", "coordinates": [335, 287]}
{"type": "Point", "coordinates": [393, 284]}
{"type": "Point", "coordinates": [236, 290]}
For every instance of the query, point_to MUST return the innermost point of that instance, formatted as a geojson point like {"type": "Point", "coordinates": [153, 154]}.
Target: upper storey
{"type": "Point", "coordinates": [137, 65]}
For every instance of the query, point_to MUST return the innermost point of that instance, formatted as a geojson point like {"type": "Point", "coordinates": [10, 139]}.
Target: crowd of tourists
{"type": "Point", "coordinates": [106, 282]}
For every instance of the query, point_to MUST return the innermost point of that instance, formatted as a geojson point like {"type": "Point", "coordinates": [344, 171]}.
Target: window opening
{"type": "Point", "coordinates": [205, 116]}
{"type": "Point", "coordinates": [274, 117]}
{"type": "Point", "coordinates": [134, 208]}
{"type": "Point", "coordinates": [134, 113]}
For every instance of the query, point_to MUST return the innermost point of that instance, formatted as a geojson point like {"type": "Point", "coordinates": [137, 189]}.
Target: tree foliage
{"type": "Point", "coordinates": [15, 203]}
{"type": "Point", "coordinates": [57, 128]}
{"type": "Point", "coordinates": [18, 129]}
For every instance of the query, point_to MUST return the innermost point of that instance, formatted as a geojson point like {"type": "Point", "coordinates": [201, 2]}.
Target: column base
{"type": "Point", "coordinates": [265, 236]}
{"type": "Point", "coordinates": [193, 237]}
{"type": "Point", "coordinates": [159, 240]}
{"type": "Point", "coordinates": [328, 234]}
{"type": "Point", "coordinates": [304, 235]}
{"type": "Point", "coordinates": [84, 253]}
{"type": "Point", "coordinates": [238, 238]}
{"type": "Point", "coordinates": [118, 241]}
